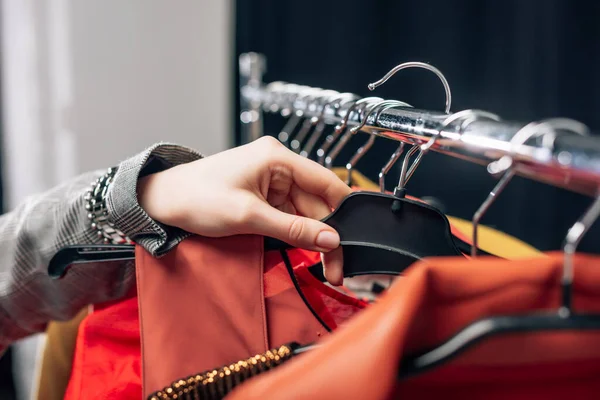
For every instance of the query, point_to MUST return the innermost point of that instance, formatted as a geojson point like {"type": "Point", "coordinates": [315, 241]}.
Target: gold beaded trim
{"type": "Point", "coordinates": [216, 384]}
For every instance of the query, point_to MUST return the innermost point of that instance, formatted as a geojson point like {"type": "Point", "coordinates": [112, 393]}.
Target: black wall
{"type": "Point", "coordinates": [521, 59]}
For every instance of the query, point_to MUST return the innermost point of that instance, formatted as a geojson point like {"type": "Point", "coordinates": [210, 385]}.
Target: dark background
{"type": "Point", "coordinates": [522, 59]}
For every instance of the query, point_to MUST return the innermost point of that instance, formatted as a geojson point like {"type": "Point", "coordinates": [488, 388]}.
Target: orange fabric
{"type": "Point", "coordinates": [200, 305]}
{"type": "Point", "coordinates": [435, 300]}
{"type": "Point", "coordinates": [216, 311]}
{"type": "Point", "coordinates": [207, 303]}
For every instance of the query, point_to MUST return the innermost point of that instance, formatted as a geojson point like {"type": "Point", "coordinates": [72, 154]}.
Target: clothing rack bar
{"type": "Point", "coordinates": [565, 159]}
{"type": "Point", "coordinates": [252, 67]}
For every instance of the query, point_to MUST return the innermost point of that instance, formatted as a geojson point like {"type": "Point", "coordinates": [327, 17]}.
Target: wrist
{"type": "Point", "coordinates": [157, 198]}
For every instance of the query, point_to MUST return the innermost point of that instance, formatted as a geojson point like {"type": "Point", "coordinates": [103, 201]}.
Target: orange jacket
{"type": "Point", "coordinates": [435, 300]}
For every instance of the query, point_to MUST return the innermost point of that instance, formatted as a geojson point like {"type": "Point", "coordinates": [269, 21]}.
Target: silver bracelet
{"type": "Point", "coordinates": [97, 212]}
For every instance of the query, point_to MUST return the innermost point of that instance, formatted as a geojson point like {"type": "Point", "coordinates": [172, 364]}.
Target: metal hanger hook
{"type": "Point", "coordinates": [361, 105]}
{"type": "Point", "coordinates": [574, 236]}
{"type": "Point", "coordinates": [339, 128]}
{"type": "Point", "coordinates": [314, 103]}
{"type": "Point", "coordinates": [566, 124]}
{"type": "Point", "coordinates": [334, 103]}
{"type": "Point", "coordinates": [504, 164]}
{"type": "Point", "coordinates": [377, 109]}
{"type": "Point", "coordinates": [422, 65]}
{"type": "Point", "coordinates": [388, 166]}
{"type": "Point", "coordinates": [464, 114]}
{"type": "Point", "coordinates": [468, 115]}
{"type": "Point", "coordinates": [271, 98]}
{"type": "Point", "coordinates": [403, 172]}
{"type": "Point", "coordinates": [545, 128]}
{"type": "Point", "coordinates": [303, 93]}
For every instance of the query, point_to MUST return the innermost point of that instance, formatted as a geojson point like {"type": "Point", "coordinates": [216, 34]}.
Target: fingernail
{"type": "Point", "coordinates": [327, 240]}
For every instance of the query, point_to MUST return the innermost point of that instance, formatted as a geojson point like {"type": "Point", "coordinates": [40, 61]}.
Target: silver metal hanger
{"type": "Point", "coordinates": [295, 116]}
{"type": "Point", "coordinates": [405, 174]}
{"type": "Point", "coordinates": [338, 130]}
{"type": "Point", "coordinates": [468, 115]}
{"type": "Point", "coordinates": [316, 105]}
{"type": "Point", "coordinates": [377, 109]}
{"type": "Point", "coordinates": [334, 105]}
{"type": "Point", "coordinates": [416, 64]}
{"type": "Point", "coordinates": [360, 108]}
{"type": "Point", "coordinates": [506, 164]}
{"type": "Point", "coordinates": [304, 97]}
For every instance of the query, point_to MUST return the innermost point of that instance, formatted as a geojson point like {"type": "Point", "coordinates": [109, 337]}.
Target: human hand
{"type": "Point", "coordinates": [259, 188]}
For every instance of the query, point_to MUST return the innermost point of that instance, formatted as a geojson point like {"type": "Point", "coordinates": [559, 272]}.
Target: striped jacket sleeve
{"type": "Point", "coordinates": [42, 224]}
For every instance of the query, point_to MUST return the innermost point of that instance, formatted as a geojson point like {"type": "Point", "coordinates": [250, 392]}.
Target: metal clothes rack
{"type": "Point", "coordinates": [550, 152]}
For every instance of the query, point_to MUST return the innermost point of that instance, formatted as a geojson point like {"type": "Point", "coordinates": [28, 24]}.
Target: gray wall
{"type": "Point", "coordinates": [87, 83]}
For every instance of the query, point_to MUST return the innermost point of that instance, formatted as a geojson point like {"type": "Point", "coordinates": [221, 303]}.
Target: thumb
{"type": "Point", "coordinates": [295, 230]}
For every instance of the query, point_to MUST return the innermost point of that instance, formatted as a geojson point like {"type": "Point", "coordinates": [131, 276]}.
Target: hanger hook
{"type": "Point", "coordinates": [574, 236]}
{"type": "Point", "coordinates": [417, 64]}
{"type": "Point", "coordinates": [403, 171]}
{"type": "Point", "coordinates": [377, 109]}
{"type": "Point", "coordinates": [506, 164]}
{"type": "Point", "coordinates": [519, 138]}
{"type": "Point", "coordinates": [476, 114]}
{"type": "Point", "coordinates": [314, 103]}
{"type": "Point", "coordinates": [272, 97]}
{"type": "Point", "coordinates": [473, 114]}
{"type": "Point", "coordinates": [388, 166]}
{"type": "Point", "coordinates": [334, 103]}
{"type": "Point", "coordinates": [339, 128]}
{"type": "Point", "coordinates": [362, 105]}
{"type": "Point", "coordinates": [295, 118]}
{"type": "Point", "coordinates": [567, 124]}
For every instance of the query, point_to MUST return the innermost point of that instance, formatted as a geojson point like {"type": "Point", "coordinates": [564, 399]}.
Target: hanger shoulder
{"type": "Point", "coordinates": [64, 258]}
{"type": "Point", "coordinates": [411, 229]}
{"type": "Point", "coordinates": [490, 327]}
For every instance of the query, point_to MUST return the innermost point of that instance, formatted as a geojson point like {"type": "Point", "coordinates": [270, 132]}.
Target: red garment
{"type": "Point", "coordinates": [432, 302]}
{"type": "Point", "coordinates": [107, 362]}
{"type": "Point", "coordinates": [207, 303]}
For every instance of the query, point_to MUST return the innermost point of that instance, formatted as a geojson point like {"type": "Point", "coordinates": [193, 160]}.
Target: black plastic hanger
{"type": "Point", "coordinates": [68, 256]}
{"type": "Point", "coordinates": [384, 234]}
{"type": "Point", "coordinates": [564, 319]}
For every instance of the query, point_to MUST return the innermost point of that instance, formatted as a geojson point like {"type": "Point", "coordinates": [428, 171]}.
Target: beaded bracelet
{"type": "Point", "coordinates": [97, 212]}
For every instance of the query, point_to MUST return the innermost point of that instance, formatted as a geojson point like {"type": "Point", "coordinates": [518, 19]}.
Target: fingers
{"type": "Point", "coordinates": [288, 208]}
{"type": "Point", "coordinates": [316, 179]}
{"type": "Point", "coordinates": [296, 230]}
{"type": "Point", "coordinates": [333, 263]}
{"type": "Point", "coordinates": [309, 205]}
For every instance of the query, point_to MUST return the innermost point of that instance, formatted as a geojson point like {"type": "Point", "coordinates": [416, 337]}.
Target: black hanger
{"type": "Point", "coordinates": [564, 319]}
{"type": "Point", "coordinates": [68, 256]}
{"type": "Point", "coordinates": [381, 234]}
{"type": "Point", "coordinates": [384, 234]}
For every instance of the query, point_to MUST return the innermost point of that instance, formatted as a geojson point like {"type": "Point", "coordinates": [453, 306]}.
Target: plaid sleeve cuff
{"type": "Point", "coordinates": [122, 202]}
